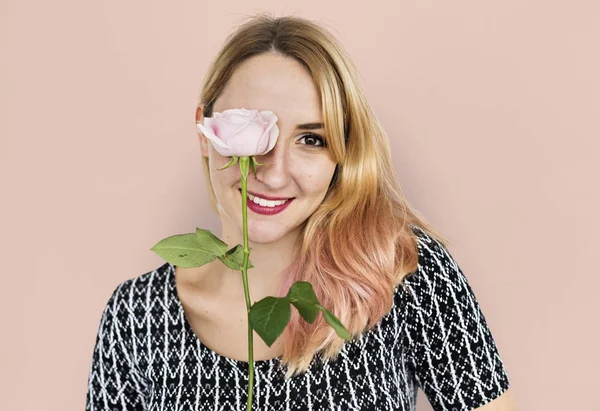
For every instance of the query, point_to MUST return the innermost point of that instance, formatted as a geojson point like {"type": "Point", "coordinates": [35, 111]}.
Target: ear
{"type": "Point", "coordinates": [203, 139]}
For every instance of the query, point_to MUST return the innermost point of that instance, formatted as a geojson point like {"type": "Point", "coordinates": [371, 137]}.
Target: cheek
{"type": "Point", "coordinates": [315, 180]}
{"type": "Point", "coordinates": [222, 179]}
{"type": "Point", "coordinates": [216, 159]}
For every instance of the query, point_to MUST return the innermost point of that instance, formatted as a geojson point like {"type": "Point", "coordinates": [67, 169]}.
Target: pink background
{"type": "Point", "coordinates": [493, 113]}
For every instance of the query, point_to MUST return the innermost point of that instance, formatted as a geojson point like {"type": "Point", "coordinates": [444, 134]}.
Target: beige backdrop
{"type": "Point", "coordinates": [492, 107]}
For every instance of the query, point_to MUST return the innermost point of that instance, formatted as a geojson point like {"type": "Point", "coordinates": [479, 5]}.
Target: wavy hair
{"type": "Point", "coordinates": [358, 245]}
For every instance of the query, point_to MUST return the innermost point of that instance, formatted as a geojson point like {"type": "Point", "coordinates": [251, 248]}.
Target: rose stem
{"type": "Point", "coordinates": [244, 160]}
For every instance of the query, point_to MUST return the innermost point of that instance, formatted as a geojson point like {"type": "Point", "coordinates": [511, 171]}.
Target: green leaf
{"type": "Point", "coordinates": [235, 258]}
{"type": "Point", "coordinates": [210, 243]}
{"type": "Point", "coordinates": [303, 297]}
{"type": "Point", "coordinates": [269, 317]}
{"type": "Point", "coordinates": [303, 290]}
{"type": "Point", "coordinates": [336, 324]}
{"type": "Point", "coordinates": [308, 311]}
{"type": "Point", "coordinates": [183, 250]}
{"type": "Point", "coordinates": [231, 163]}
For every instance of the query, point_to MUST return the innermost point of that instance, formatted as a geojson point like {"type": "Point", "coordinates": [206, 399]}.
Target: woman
{"type": "Point", "coordinates": [175, 338]}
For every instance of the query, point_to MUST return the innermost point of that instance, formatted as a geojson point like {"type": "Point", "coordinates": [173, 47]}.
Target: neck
{"type": "Point", "coordinates": [270, 262]}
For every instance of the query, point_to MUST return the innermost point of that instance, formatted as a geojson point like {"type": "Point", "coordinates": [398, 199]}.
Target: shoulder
{"type": "Point", "coordinates": [438, 287]}
{"type": "Point", "coordinates": [128, 293]}
{"type": "Point", "coordinates": [435, 262]}
{"type": "Point", "coordinates": [145, 282]}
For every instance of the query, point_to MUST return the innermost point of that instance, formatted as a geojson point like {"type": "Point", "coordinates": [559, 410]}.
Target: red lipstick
{"type": "Point", "coordinates": [265, 210]}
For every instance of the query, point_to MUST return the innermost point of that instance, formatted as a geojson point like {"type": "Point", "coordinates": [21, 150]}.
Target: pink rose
{"type": "Point", "coordinates": [241, 132]}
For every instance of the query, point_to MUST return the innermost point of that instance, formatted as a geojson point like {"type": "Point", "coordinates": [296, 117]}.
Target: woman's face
{"type": "Point", "coordinates": [303, 166]}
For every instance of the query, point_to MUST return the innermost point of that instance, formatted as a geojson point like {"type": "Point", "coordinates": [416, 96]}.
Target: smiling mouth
{"type": "Point", "coordinates": [272, 203]}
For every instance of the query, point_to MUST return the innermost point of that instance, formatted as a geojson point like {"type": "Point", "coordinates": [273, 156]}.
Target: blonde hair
{"type": "Point", "coordinates": [358, 245]}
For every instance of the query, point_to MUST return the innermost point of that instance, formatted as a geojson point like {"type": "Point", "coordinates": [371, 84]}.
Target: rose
{"type": "Point", "coordinates": [241, 132]}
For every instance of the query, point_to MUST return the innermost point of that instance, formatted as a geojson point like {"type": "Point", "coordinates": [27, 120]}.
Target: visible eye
{"type": "Point", "coordinates": [312, 138]}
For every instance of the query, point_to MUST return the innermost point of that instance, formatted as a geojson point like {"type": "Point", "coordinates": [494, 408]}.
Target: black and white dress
{"type": "Point", "coordinates": [435, 337]}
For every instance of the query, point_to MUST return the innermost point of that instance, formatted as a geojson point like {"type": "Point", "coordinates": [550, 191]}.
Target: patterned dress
{"type": "Point", "coordinates": [435, 337]}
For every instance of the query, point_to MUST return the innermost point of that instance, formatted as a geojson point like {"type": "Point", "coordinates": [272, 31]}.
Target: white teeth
{"type": "Point", "coordinates": [265, 203]}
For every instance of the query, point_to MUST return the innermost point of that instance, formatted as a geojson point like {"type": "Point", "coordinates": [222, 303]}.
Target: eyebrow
{"type": "Point", "coordinates": [309, 126]}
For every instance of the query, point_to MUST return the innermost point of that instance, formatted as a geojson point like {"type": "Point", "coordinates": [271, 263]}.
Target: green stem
{"type": "Point", "coordinates": [244, 161]}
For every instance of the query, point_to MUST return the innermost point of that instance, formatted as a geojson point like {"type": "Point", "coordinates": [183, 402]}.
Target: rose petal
{"type": "Point", "coordinates": [209, 133]}
{"type": "Point", "coordinates": [242, 132]}
{"type": "Point", "coordinates": [273, 134]}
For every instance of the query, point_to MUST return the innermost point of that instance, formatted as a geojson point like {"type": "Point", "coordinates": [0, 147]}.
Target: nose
{"type": "Point", "coordinates": [276, 176]}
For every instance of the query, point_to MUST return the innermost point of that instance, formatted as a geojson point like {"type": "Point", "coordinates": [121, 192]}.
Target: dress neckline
{"type": "Point", "coordinates": [191, 335]}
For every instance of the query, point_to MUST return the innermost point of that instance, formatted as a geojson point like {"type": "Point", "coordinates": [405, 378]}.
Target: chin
{"type": "Point", "coordinates": [265, 236]}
